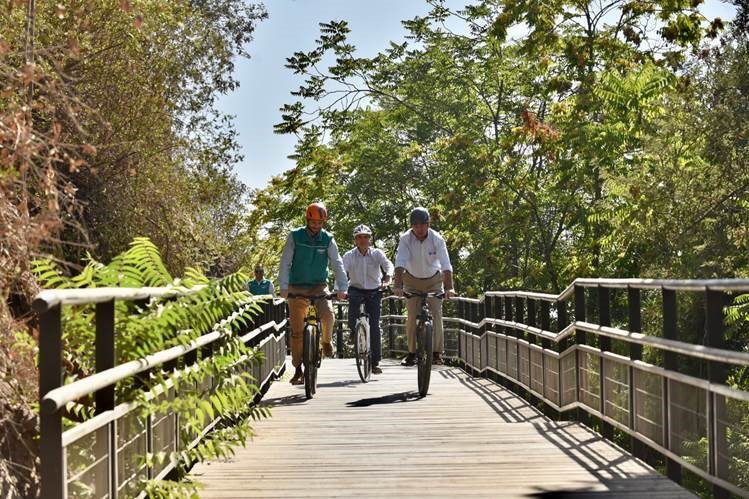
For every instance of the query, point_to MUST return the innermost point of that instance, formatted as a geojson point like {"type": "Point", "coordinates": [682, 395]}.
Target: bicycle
{"type": "Point", "coordinates": [362, 351]}
{"type": "Point", "coordinates": [311, 354]}
{"type": "Point", "coordinates": [424, 331]}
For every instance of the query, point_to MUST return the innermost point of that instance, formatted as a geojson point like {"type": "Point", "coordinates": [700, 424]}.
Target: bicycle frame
{"type": "Point", "coordinates": [424, 339]}
{"type": "Point", "coordinates": [311, 355]}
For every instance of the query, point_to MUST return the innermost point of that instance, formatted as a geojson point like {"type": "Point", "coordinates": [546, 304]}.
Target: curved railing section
{"type": "Point", "coordinates": [615, 353]}
{"type": "Point", "coordinates": [119, 435]}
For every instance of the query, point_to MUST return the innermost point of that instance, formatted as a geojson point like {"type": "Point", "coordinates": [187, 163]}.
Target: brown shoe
{"type": "Point", "coordinates": [437, 359]}
{"type": "Point", "coordinates": [376, 370]}
{"type": "Point", "coordinates": [298, 377]}
{"type": "Point", "coordinates": [327, 350]}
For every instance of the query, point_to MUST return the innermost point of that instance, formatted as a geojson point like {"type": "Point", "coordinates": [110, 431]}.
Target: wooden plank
{"type": "Point", "coordinates": [468, 437]}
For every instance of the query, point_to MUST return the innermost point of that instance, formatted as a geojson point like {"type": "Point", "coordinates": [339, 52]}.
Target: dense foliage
{"type": "Point", "coordinates": [551, 140]}
{"type": "Point", "coordinates": [216, 385]}
{"type": "Point", "coordinates": [109, 130]}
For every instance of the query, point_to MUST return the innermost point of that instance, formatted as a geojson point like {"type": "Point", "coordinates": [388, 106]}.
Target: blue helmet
{"type": "Point", "coordinates": [419, 215]}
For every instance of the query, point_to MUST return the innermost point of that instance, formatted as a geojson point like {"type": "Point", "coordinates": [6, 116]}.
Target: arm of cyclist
{"type": "Point", "coordinates": [284, 269]}
{"type": "Point", "coordinates": [398, 282]}
{"type": "Point", "coordinates": [447, 283]}
{"type": "Point", "coordinates": [336, 263]}
{"type": "Point", "coordinates": [387, 267]}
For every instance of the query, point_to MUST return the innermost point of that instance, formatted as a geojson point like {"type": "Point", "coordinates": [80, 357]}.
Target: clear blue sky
{"type": "Point", "coordinates": [294, 25]}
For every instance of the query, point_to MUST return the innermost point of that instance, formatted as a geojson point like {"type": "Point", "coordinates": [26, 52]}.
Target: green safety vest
{"type": "Point", "coordinates": [260, 288]}
{"type": "Point", "coordinates": [309, 267]}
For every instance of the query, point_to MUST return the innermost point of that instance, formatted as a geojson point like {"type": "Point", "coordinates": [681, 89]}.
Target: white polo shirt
{"type": "Point", "coordinates": [364, 270]}
{"type": "Point", "coordinates": [425, 258]}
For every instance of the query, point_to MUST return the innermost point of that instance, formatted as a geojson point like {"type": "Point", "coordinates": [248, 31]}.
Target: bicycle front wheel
{"type": "Point", "coordinates": [424, 357]}
{"type": "Point", "coordinates": [310, 362]}
{"type": "Point", "coordinates": [362, 352]}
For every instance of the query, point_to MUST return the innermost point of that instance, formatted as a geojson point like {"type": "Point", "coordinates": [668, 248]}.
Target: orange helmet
{"type": "Point", "coordinates": [317, 211]}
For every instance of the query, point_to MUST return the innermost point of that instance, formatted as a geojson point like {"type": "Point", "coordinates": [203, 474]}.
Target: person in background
{"type": "Point", "coordinates": [259, 285]}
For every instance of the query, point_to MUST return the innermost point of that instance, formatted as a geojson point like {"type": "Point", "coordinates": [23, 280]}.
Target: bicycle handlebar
{"type": "Point", "coordinates": [324, 296]}
{"type": "Point", "coordinates": [423, 295]}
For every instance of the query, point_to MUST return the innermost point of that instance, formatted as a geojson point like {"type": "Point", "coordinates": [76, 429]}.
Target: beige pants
{"type": "Point", "coordinates": [297, 312]}
{"type": "Point", "coordinates": [429, 285]}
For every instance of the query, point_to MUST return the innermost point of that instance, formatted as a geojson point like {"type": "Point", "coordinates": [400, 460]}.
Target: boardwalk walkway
{"type": "Point", "coordinates": [468, 437]}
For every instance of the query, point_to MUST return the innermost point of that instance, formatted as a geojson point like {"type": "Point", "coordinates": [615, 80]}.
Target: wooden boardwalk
{"type": "Point", "coordinates": [468, 438]}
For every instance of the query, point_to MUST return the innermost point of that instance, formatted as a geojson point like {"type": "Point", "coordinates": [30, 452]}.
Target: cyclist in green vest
{"type": "Point", "coordinates": [304, 271]}
{"type": "Point", "coordinates": [260, 285]}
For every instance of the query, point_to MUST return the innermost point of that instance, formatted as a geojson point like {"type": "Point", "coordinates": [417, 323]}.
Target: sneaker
{"type": "Point", "coordinates": [437, 359]}
{"type": "Point", "coordinates": [298, 377]}
{"type": "Point", "coordinates": [409, 360]}
{"type": "Point", "coordinates": [327, 350]}
{"type": "Point", "coordinates": [376, 370]}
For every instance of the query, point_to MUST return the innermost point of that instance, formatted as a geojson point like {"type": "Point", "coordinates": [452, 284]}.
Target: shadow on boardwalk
{"type": "Point", "coordinates": [566, 436]}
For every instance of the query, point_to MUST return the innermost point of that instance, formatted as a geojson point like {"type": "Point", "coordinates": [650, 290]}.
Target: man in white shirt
{"type": "Point", "coordinates": [422, 264]}
{"type": "Point", "coordinates": [368, 271]}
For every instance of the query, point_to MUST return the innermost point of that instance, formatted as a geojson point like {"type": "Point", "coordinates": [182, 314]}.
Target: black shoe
{"type": "Point", "coordinates": [409, 360]}
{"type": "Point", "coordinates": [437, 359]}
{"type": "Point", "coordinates": [298, 377]}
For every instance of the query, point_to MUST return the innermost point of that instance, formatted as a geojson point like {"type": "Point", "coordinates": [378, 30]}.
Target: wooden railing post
{"type": "Point", "coordinates": [562, 322]}
{"type": "Point", "coordinates": [531, 321]}
{"type": "Point", "coordinates": [670, 362]}
{"type": "Point", "coordinates": [105, 358]}
{"type": "Point", "coordinates": [51, 452]}
{"type": "Point", "coordinates": [482, 334]}
{"type": "Point", "coordinates": [635, 353]}
{"type": "Point", "coordinates": [604, 343]}
{"type": "Point", "coordinates": [391, 332]}
{"type": "Point", "coordinates": [580, 339]}
{"type": "Point", "coordinates": [339, 331]}
{"type": "Point", "coordinates": [716, 373]}
{"type": "Point", "coordinates": [509, 331]}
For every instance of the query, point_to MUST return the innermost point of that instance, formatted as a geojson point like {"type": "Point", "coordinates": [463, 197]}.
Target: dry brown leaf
{"type": "Point", "coordinates": [138, 22]}
{"type": "Point", "coordinates": [75, 165]}
{"type": "Point", "coordinates": [60, 11]}
{"type": "Point", "coordinates": [70, 189]}
{"type": "Point", "coordinates": [125, 5]}
{"type": "Point", "coordinates": [74, 48]}
{"type": "Point", "coordinates": [4, 47]}
{"type": "Point", "coordinates": [27, 74]}
{"type": "Point", "coordinates": [89, 149]}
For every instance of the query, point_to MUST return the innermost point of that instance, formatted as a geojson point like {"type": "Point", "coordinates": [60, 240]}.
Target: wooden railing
{"type": "Point", "coordinates": [105, 456]}
{"type": "Point", "coordinates": [588, 353]}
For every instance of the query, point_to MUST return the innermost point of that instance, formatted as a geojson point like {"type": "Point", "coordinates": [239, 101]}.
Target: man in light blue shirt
{"type": "Point", "coordinates": [368, 271]}
{"type": "Point", "coordinates": [422, 264]}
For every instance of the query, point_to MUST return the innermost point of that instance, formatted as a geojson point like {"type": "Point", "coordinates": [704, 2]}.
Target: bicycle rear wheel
{"type": "Point", "coordinates": [309, 361]}
{"type": "Point", "coordinates": [362, 351]}
{"type": "Point", "coordinates": [424, 356]}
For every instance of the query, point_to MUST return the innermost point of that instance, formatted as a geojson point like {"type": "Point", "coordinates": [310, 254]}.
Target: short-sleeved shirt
{"type": "Point", "coordinates": [425, 258]}
{"type": "Point", "coordinates": [365, 271]}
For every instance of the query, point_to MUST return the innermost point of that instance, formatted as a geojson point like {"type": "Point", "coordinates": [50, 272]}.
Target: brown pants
{"type": "Point", "coordinates": [297, 312]}
{"type": "Point", "coordinates": [429, 285]}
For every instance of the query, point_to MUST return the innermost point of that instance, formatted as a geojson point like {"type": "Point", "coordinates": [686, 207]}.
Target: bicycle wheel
{"type": "Point", "coordinates": [424, 356]}
{"type": "Point", "coordinates": [318, 359]}
{"type": "Point", "coordinates": [362, 351]}
{"type": "Point", "coordinates": [309, 361]}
